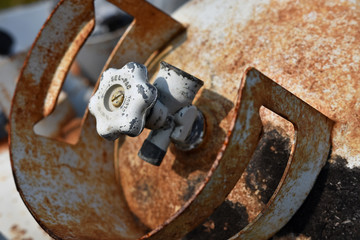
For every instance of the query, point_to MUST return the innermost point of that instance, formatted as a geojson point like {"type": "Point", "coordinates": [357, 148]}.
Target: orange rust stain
{"type": "Point", "coordinates": [311, 49]}
{"type": "Point", "coordinates": [155, 193]}
{"type": "Point", "coordinates": [308, 47]}
{"type": "Point", "coordinates": [287, 41]}
{"type": "Point", "coordinates": [257, 44]}
{"type": "Point", "coordinates": [243, 195]}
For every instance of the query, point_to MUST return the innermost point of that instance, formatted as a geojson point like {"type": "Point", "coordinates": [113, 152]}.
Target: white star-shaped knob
{"type": "Point", "coordinates": [122, 101]}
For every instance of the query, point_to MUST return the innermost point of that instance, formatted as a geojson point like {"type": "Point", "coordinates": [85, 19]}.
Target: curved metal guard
{"type": "Point", "coordinates": [313, 132]}
{"type": "Point", "coordinates": [310, 152]}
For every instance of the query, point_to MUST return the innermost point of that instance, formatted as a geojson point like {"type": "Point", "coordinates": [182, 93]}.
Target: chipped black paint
{"type": "Point", "coordinates": [196, 134]}
{"type": "Point", "coordinates": [182, 73]}
{"type": "Point", "coordinates": [132, 66]}
{"type": "Point", "coordinates": [132, 123]}
{"type": "Point", "coordinates": [141, 90]}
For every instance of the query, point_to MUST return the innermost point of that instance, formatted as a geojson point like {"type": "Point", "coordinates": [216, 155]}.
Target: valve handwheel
{"type": "Point", "coordinates": [122, 101]}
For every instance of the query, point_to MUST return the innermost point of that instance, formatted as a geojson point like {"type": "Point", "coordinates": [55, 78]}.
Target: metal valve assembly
{"type": "Point", "coordinates": [126, 103]}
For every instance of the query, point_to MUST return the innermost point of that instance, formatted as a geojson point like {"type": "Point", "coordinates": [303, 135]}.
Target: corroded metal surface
{"type": "Point", "coordinates": [309, 152]}
{"type": "Point", "coordinates": [71, 189]}
{"type": "Point", "coordinates": [301, 45]}
{"type": "Point", "coordinates": [219, 44]}
{"type": "Point", "coordinates": [204, 54]}
{"type": "Point", "coordinates": [309, 155]}
{"type": "Point", "coordinates": [147, 35]}
{"type": "Point", "coordinates": [310, 48]}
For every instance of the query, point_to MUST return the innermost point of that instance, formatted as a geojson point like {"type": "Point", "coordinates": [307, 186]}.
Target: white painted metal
{"type": "Point", "coordinates": [138, 98]}
{"type": "Point", "coordinates": [184, 118]}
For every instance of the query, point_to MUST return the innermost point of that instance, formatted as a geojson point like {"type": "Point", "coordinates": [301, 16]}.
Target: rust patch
{"type": "Point", "coordinates": [71, 189]}
{"type": "Point", "coordinates": [310, 48]}
{"type": "Point", "coordinates": [150, 192]}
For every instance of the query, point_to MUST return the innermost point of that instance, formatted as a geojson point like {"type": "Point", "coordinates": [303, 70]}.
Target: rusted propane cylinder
{"type": "Point", "coordinates": [280, 88]}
